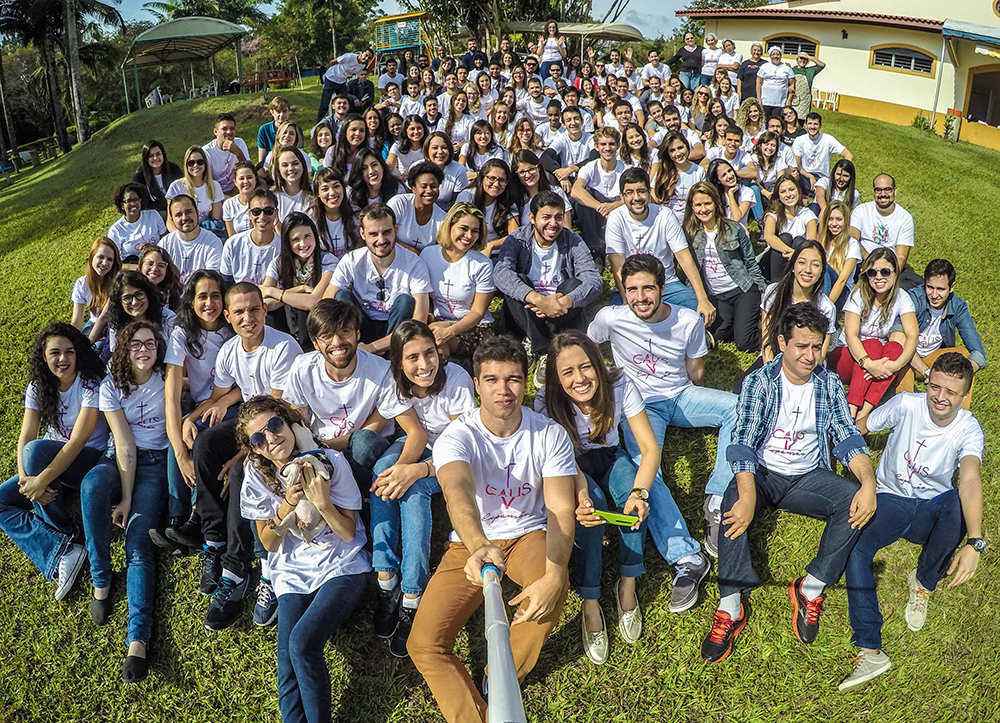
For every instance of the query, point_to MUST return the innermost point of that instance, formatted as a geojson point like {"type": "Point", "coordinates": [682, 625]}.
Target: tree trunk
{"type": "Point", "coordinates": [55, 95]}
{"type": "Point", "coordinates": [75, 74]}
{"type": "Point", "coordinates": [6, 113]}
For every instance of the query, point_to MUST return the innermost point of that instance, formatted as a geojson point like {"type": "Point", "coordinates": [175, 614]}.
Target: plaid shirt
{"type": "Point", "coordinates": [757, 414]}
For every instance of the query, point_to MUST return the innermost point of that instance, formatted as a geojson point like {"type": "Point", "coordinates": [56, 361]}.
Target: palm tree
{"type": "Point", "coordinates": [6, 113]}
{"type": "Point", "coordinates": [70, 15]}
{"type": "Point", "coordinates": [234, 11]}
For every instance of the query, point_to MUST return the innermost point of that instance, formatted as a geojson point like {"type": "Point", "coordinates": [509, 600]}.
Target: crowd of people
{"type": "Point", "coordinates": [275, 362]}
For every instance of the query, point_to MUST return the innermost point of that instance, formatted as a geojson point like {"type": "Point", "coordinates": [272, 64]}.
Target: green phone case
{"type": "Point", "coordinates": [614, 518]}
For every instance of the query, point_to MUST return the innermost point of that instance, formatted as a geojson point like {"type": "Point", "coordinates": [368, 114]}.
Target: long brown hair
{"type": "Point", "coordinates": [668, 174]}
{"type": "Point", "coordinates": [100, 286]}
{"type": "Point", "coordinates": [836, 247]}
{"type": "Point", "coordinates": [868, 293]}
{"type": "Point", "coordinates": [406, 332]}
{"type": "Point", "coordinates": [691, 223]}
{"type": "Point", "coordinates": [777, 207]}
{"type": "Point", "coordinates": [558, 404]}
{"type": "Point", "coordinates": [278, 407]}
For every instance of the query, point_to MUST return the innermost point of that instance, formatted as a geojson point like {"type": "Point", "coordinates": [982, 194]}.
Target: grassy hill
{"type": "Point", "coordinates": [59, 667]}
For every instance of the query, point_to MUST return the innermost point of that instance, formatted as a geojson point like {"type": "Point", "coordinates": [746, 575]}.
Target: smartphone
{"type": "Point", "coordinates": [613, 518]}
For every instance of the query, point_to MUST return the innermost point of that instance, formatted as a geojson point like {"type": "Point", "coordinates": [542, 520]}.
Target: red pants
{"type": "Point", "coordinates": [861, 390]}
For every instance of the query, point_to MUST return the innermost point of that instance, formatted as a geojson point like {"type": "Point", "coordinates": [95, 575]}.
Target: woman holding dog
{"type": "Point", "coordinates": [319, 584]}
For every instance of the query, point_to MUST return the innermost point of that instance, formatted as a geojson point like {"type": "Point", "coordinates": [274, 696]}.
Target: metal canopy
{"type": "Point", "coordinates": [182, 41]}
{"type": "Point", "coordinates": [971, 31]}
{"type": "Point", "coordinates": [597, 31]}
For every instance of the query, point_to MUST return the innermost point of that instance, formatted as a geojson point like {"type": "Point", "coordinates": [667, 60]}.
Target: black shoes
{"type": "Point", "coordinates": [719, 643]}
{"type": "Point", "coordinates": [160, 539]}
{"type": "Point", "coordinates": [187, 533]}
{"type": "Point", "coordinates": [397, 645]}
{"type": "Point", "coordinates": [211, 569]}
{"type": "Point", "coordinates": [805, 613]}
{"type": "Point", "coordinates": [100, 610]}
{"type": "Point", "coordinates": [135, 669]}
{"type": "Point", "coordinates": [227, 603]}
{"type": "Point", "coordinates": [387, 612]}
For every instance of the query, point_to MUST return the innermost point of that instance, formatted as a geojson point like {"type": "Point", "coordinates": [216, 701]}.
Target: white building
{"type": "Point", "coordinates": [934, 56]}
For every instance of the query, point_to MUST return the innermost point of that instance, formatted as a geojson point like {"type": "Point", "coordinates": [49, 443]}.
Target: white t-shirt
{"type": "Point", "coordinates": [548, 135]}
{"type": "Point", "coordinates": [339, 408]}
{"type": "Point", "coordinates": [793, 447]}
{"type": "Point", "coordinates": [685, 182]}
{"type": "Point", "coordinates": [409, 231]}
{"type": "Point", "coordinates": [456, 179]}
{"type": "Point", "coordinates": [81, 294]}
{"type": "Point", "coordinates": [204, 252]}
{"type": "Point", "coordinates": [729, 59]}
{"type": "Point", "coordinates": [328, 262]}
{"type": "Point", "coordinates": [456, 398]}
{"type": "Point", "coordinates": [717, 279]}
{"type": "Point", "coordinates": [570, 152]}
{"type": "Point", "coordinates": [627, 403]}
{"type": "Point", "coordinates": [743, 195]}
{"type": "Point", "coordinates": [236, 213]}
{"type": "Point", "coordinates": [661, 71]}
{"type": "Point", "coordinates": [287, 204]}
{"type": "Point", "coordinates": [508, 470]}
{"type": "Point", "coordinates": [545, 270]}
{"type": "Point", "coordinates": [652, 355]}
{"type": "Point", "coordinates": [738, 163]}
{"type": "Point", "coordinates": [166, 327]}
{"type": "Point", "coordinates": [920, 458]}
{"type": "Point", "coordinates": [815, 155]}
{"type": "Point", "coordinates": [478, 159]}
{"type": "Point", "coordinates": [710, 60]}
{"type": "Point", "coordinates": [567, 206]}
{"type": "Point", "coordinates": [246, 261]}
{"type": "Point", "coordinates": [338, 239]}
{"type": "Point", "coordinates": [298, 568]}
{"type": "Point", "coordinates": [797, 226]}
{"type": "Point", "coordinates": [411, 106]}
{"type": "Point", "coordinates": [346, 66]}
{"type": "Point", "coordinates": [774, 85]}
{"type": "Point", "coordinates": [825, 305]}
{"type": "Point", "coordinates": [454, 285]}
{"type": "Point", "coordinates": [782, 162]}
{"type": "Point", "coordinates": [596, 178]}
{"type": "Point", "coordinates": [144, 408]}
{"type": "Point", "coordinates": [385, 79]}
{"type": "Point", "coordinates": [200, 372]}
{"type": "Point", "coordinates": [405, 159]}
{"type": "Point", "coordinates": [202, 200]}
{"type": "Point", "coordinates": [660, 235]}
{"type": "Point", "coordinates": [259, 371]}
{"type": "Point", "coordinates": [223, 163]}
{"type": "Point", "coordinates": [406, 275]}
{"type": "Point", "coordinates": [878, 231]}
{"type": "Point", "coordinates": [76, 398]}
{"type": "Point", "coordinates": [129, 237]}
{"type": "Point", "coordinates": [460, 129]}
{"type": "Point", "coordinates": [870, 327]}
{"type": "Point", "coordinates": [930, 338]}
{"type": "Point", "coordinates": [837, 195]}
{"type": "Point", "coordinates": [536, 112]}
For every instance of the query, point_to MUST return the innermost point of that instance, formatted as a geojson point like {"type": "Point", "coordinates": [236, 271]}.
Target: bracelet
{"type": "Point", "coordinates": [281, 296]}
{"type": "Point", "coordinates": [430, 470]}
{"type": "Point", "coordinates": [861, 362]}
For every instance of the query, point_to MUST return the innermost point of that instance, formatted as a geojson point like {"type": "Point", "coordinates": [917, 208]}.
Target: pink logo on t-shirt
{"type": "Point", "coordinates": [648, 360]}
{"type": "Point", "coordinates": [143, 421]}
{"type": "Point", "coordinates": [913, 468]}
{"type": "Point", "coordinates": [341, 424]}
{"type": "Point", "coordinates": [507, 495]}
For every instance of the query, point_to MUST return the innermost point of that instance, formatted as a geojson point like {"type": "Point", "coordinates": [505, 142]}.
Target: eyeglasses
{"type": "Point", "coordinates": [495, 180]}
{"type": "Point", "coordinates": [885, 272]}
{"type": "Point", "coordinates": [132, 202]}
{"type": "Point", "coordinates": [380, 285]}
{"type": "Point", "coordinates": [195, 162]}
{"type": "Point", "coordinates": [274, 425]}
{"type": "Point", "coordinates": [127, 299]}
{"type": "Point", "coordinates": [148, 345]}
{"type": "Point", "coordinates": [527, 171]}
{"type": "Point", "coordinates": [149, 265]}
{"type": "Point", "coordinates": [885, 191]}
{"type": "Point", "coordinates": [266, 210]}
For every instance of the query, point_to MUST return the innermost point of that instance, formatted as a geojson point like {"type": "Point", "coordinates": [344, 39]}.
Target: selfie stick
{"type": "Point", "coordinates": [505, 704]}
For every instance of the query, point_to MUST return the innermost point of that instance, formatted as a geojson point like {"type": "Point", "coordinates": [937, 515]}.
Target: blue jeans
{"type": "Point", "coordinates": [829, 279]}
{"type": "Point", "coordinates": [694, 407]}
{"type": "Point", "coordinates": [937, 525]}
{"type": "Point", "coordinates": [148, 502]}
{"type": "Point", "coordinates": [43, 544]}
{"type": "Point", "coordinates": [180, 497]}
{"type": "Point", "coordinates": [363, 450]}
{"type": "Point", "coordinates": [820, 494]}
{"type": "Point", "coordinates": [757, 209]}
{"type": "Point", "coordinates": [305, 623]}
{"type": "Point", "coordinates": [330, 89]}
{"type": "Point", "coordinates": [675, 292]}
{"type": "Point", "coordinates": [690, 80]}
{"type": "Point", "coordinates": [408, 519]}
{"type": "Point", "coordinates": [372, 329]}
{"type": "Point", "coordinates": [615, 484]}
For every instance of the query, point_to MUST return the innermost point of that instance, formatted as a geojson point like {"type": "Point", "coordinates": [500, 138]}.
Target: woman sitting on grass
{"type": "Point", "coordinates": [133, 298]}
{"type": "Point", "coordinates": [843, 251]}
{"type": "Point", "coordinates": [156, 265]}
{"type": "Point", "coordinates": [139, 223]}
{"type": "Point", "coordinates": [198, 184]}
{"type": "Point", "coordinates": [92, 291]}
{"type": "Point", "coordinates": [63, 437]}
{"type": "Point", "coordinates": [234, 209]}
{"type": "Point", "coordinates": [318, 586]}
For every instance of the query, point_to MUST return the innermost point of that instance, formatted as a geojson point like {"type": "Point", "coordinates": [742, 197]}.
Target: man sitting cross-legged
{"type": "Point", "coordinates": [931, 436]}
{"type": "Point", "coordinates": [789, 410]}
{"type": "Point", "coordinates": [507, 474]}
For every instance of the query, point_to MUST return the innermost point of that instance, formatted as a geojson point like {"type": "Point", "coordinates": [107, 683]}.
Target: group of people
{"type": "Point", "coordinates": [279, 361]}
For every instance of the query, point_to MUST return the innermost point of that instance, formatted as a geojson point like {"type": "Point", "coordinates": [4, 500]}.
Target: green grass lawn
{"type": "Point", "coordinates": [59, 667]}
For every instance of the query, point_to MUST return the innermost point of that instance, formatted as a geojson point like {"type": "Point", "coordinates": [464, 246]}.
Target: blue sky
{"type": "Point", "coordinates": [653, 17]}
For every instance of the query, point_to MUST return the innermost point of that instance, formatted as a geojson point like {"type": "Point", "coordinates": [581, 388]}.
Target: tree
{"type": "Point", "coordinates": [698, 26]}
{"type": "Point", "coordinates": [75, 76]}
{"type": "Point", "coordinates": [304, 27]}
{"type": "Point", "coordinates": [246, 12]}
{"type": "Point", "coordinates": [11, 133]}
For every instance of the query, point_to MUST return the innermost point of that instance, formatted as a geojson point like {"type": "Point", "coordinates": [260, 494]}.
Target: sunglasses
{"type": "Point", "coordinates": [195, 162]}
{"type": "Point", "coordinates": [885, 272]}
{"type": "Point", "coordinates": [380, 285]}
{"type": "Point", "coordinates": [148, 345]}
{"type": "Point", "coordinates": [266, 210]}
{"type": "Point", "coordinates": [274, 425]}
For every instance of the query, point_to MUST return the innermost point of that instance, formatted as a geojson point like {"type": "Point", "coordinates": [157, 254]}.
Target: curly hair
{"type": "Point", "coordinates": [137, 188]}
{"type": "Point", "coordinates": [277, 407]}
{"type": "Point", "coordinates": [122, 371]}
{"type": "Point", "coordinates": [743, 115]}
{"type": "Point", "coordinates": [187, 319]}
{"type": "Point", "coordinates": [118, 318]}
{"type": "Point", "coordinates": [88, 366]}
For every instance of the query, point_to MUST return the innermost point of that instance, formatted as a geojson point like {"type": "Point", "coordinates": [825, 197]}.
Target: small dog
{"type": "Point", "coordinates": [305, 522]}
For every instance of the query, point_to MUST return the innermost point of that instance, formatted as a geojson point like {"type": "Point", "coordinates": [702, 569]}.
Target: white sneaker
{"type": "Point", "coordinates": [69, 568]}
{"type": "Point", "coordinates": [713, 520]}
{"type": "Point", "coordinates": [866, 666]}
{"type": "Point", "coordinates": [540, 370]}
{"type": "Point", "coordinates": [595, 645]}
{"type": "Point", "coordinates": [916, 606]}
{"type": "Point", "coordinates": [629, 621]}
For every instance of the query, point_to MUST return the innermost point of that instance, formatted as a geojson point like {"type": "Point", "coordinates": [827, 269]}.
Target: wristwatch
{"type": "Point", "coordinates": [977, 543]}
{"type": "Point", "coordinates": [644, 494]}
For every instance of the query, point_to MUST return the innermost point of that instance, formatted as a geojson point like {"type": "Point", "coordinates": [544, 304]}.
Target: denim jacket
{"type": "Point", "coordinates": [956, 317]}
{"type": "Point", "coordinates": [736, 254]}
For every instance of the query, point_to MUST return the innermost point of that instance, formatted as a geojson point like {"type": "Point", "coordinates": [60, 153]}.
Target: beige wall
{"type": "Point", "coordinates": [970, 11]}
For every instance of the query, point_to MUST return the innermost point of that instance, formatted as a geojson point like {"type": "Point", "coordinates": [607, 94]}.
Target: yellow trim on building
{"type": "Point", "coordinates": [771, 37]}
{"type": "Point", "coordinates": [903, 46]}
